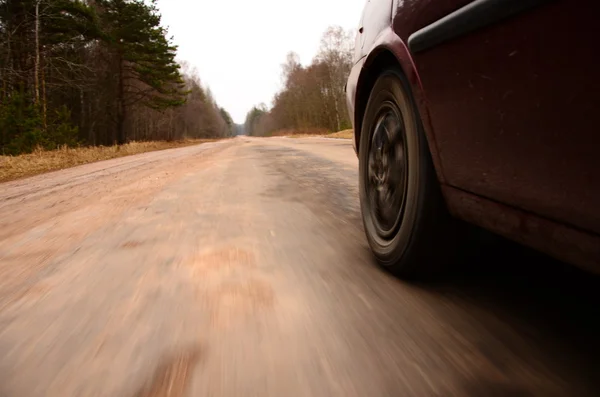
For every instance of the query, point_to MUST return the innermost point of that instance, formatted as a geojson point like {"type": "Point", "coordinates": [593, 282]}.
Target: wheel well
{"type": "Point", "coordinates": [376, 65]}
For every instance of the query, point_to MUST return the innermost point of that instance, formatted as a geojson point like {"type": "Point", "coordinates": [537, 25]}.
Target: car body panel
{"type": "Point", "coordinates": [511, 112]}
{"type": "Point", "coordinates": [376, 17]}
{"type": "Point", "coordinates": [557, 239]}
{"type": "Point", "coordinates": [507, 112]}
{"type": "Point", "coordinates": [351, 86]}
{"type": "Point", "coordinates": [412, 15]}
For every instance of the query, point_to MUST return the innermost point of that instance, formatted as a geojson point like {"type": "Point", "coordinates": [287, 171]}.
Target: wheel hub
{"type": "Point", "coordinates": [387, 170]}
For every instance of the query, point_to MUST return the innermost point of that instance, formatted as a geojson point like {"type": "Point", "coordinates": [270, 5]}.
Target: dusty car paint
{"type": "Point", "coordinates": [508, 111]}
{"type": "Point", "coordinates": [513, 115]}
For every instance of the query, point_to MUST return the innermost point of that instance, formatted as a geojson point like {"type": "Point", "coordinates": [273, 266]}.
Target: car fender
{"type": "Point", "coordinates": [389, 41]}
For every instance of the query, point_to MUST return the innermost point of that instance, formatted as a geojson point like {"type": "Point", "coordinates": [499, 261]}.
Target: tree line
{"type": "Point", "coordinates": [312, 97]}
{"type": "Point", "coordinates": [96, 72]}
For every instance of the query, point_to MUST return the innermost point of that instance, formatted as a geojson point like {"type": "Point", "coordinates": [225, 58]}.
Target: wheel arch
{"type": "Point", "coordinates": [378, 61]}
{"type": "Point", "coordinates": [389, 51]}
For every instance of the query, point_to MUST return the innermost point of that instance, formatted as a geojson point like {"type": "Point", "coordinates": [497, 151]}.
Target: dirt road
{"type": "Point", "coordinates": [240, 268]}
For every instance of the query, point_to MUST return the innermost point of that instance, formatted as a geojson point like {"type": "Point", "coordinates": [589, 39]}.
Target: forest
{"type": "Point", "coordinates": [312, 98]}
{"type": "Point", "coordinates": [96, 72]}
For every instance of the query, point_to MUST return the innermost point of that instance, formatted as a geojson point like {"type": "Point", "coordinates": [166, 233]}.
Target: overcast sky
{"type": "Point", "coordinates": [238, 46]}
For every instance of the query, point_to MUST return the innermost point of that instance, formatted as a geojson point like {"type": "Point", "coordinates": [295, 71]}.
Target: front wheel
{"type": "Point", "coordinates": [404, 215]}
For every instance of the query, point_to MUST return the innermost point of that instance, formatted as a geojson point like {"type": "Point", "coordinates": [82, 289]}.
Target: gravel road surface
{"type": "Point", "coordinates": [240, 268]}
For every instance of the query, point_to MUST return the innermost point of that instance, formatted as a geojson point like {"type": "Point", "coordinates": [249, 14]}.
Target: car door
{"type": "Point", "coordinates": [512, 93]}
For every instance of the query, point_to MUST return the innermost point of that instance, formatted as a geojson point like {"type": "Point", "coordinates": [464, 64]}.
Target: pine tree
{"type": "Point", "coordinates": [147, 71]}
{"type": "Point", "coordinates": [40, 38]}
{"type": "Point", "coordinates": [84, 71]}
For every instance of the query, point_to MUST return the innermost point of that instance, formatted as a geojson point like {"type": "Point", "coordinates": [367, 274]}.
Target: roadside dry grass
{"type": "Point", "coordinates": [40, 161]}
{"type": "Point", "coordinates": [345, 134]}
{"type": "Point", "coordinates": [301, 133]}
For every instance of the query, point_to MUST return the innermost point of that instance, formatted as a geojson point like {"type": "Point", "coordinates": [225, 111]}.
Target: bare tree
{"type": "Point", "coordinates": [312, 97]}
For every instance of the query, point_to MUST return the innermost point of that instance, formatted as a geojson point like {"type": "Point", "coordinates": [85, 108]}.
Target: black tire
{"type": "Point", "coordinates": [405, 219]}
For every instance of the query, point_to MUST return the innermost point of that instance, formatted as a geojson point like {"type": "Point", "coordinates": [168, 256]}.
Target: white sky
{"type": "Point", "coordinates": [238, 46]}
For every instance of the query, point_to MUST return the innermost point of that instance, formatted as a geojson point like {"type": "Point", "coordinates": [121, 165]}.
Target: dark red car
{"type": "Point", "coordinates": [483, 111]}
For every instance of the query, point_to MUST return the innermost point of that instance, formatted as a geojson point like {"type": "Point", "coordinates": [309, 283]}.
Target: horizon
{"type": "Point", "coordinates": [235, 89]}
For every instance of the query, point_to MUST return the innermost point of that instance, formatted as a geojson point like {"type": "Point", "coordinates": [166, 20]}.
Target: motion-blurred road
{"type": "Point", "coordinates": [240, 268]}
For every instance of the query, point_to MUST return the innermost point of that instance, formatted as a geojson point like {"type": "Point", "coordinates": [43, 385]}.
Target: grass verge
{"type": "Point", "coordinates": [40, 161]}
{"type": "Point", "coordinates": [345, 134]}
